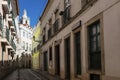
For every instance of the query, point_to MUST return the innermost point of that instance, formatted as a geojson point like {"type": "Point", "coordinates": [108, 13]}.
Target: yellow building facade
{"type": "Point", "coordinates": [36, 47]}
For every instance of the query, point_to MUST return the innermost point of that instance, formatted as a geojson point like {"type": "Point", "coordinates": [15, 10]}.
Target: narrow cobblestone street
{"type": "Point", "coordinates": [59, 39]}
{"type": "Point", "coordinates": [24, 74]}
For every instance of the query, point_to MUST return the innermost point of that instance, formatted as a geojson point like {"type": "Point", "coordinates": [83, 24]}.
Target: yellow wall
{"type": "Point", "coordinates": [36, 60]}
{"type": "Point", "coordinates": [36, 55]}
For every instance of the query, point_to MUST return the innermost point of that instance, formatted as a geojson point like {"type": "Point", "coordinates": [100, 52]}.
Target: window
{"type": "Point", "coordinates": [29, 36]}
{"type": "Point", "coordinates": [26, 46]}
{"type": "Point", "coordinates": [23, 34]}
{"type": "Point", "coordinates": [26, 35]}
{"type": "Point", "coordinates": [29, 47]}
{"type": "Point", "coordinates": [66, 15]}
{"type": "Point", "coordinates": [50, 53]}
{"type": "Point", "coordinates": [94, 53]}
{"type": "Point", "coordinates": [67, 57]}
{"type": "Point", "coordinates": [56, 23]}
{"type": "Point", "coordinates": [23, 45]}
{"type": "Point", "coordinates": [3, 50]}
{"type": "Point", "coordinates": [0, 21]}
{"type": "Point", "coordinates": [49, 33]}
{"type": "Point", "coordinates": [56, 26]}
{"type": "Point", "coordinates": [50, 22]}
{"type": "Point", "coordinates": [94, 77]}
{"type": "Point", "coordinates": [26, 22]}
{"type": "Point", "coordinates": [43, 39]}
{"type": "Point", "coordinates": [77, 53]}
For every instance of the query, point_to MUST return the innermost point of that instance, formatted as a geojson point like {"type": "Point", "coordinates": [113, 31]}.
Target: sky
{"type": "Point", "coordinates": [34, 9]}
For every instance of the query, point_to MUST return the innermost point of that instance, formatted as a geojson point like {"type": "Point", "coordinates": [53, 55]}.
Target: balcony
{"type": "Point", "coordinates": [9, 47]}
{"type": "Point", "coordinates": [43, 39]}
{"type": "Point", "coordinates": [5, 6]}
{"type": "Point", "coordinates": [12, 28]}
{"type": "Point", "coordinates": [56, 26]}
{"type": "Point", "coordinates": [1, 23]}
{"type": "Point", "coordinates": [13, 33]}
{"type": "Point", "coordinates": [66, 14]}
{"type": "Point", "coordinates": [49, 33]}
{"type": "Point", "coordinates": [5, 36]}
{"type": "Point", "coordinates": [10, 20]}
{"type": "Point", "coordinates": [13, 45]}
{"type": "Point", "coordinates": [12, 53]}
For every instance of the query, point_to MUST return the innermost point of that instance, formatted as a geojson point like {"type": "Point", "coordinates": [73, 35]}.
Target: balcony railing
{"type": "Point", "coordinates": [14, 24]}
{"type": "Point", "coordinates": [1, 23]}
{"type": "Point", "coordinates": [10, 20]}
{"type": "Point", "coordinates": [49, 33]}
{"type": "Point", "coordinates": [7, 35]}
{"type": "Point", "coordinates": [66, 14]}
{"type": "Point", "coordinates": [56, 26]}
{"type": "Point", "coordinates": [13, 45]}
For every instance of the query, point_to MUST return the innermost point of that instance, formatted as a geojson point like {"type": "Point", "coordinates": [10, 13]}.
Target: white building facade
{"type": "Point", "coordinates": [25, 31]}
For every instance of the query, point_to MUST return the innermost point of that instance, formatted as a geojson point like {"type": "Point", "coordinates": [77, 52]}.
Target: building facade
{"type": "Point", "coordinates": [25, 44]}
{"type": "Point", "coordinates": [80, 39]}
{"type": "Point", "coordinates": [36, 43]}
{"type": "Point", "coordinates": [9, 11]}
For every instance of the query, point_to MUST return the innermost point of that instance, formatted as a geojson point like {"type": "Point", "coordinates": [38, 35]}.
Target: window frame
{"type": "Point", "coordinates": [91, 50]}
{"type": "Point", "coordinates": [50, 53]}
{"type": "Point", "coordinates": [74, 32]}
{"type": "Point", "coordinates": [90, 21]}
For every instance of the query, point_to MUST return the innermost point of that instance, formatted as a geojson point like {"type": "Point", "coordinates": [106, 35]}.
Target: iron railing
{"type": "Point", "coordinates": [56, 26]}
{"type": "Point", "coordinates": [7, 35]}
{"type": "Point", "coordinates": [13, 45]}
{"type": "Point", "coordinates": [1, 23]}
{"type": "Point", "coordinates": [49, 33]}
{"type": "Point", "coordinates": [66, 14]}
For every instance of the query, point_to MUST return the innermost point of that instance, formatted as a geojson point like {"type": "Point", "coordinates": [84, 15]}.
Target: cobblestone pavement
{"type": "Point", "coordinates": [24, 74]}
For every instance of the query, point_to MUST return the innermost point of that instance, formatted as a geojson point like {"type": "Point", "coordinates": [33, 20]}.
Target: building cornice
{"type": "Point", "coordinates": [49, 3]}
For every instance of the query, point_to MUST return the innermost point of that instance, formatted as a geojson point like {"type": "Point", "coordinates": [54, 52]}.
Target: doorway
{"type": "Point", "coordinates": [45, 61]}
{"type": "Point", "coordinates": [67, 58]}
{"type": "Point", "coordinates": [57, 59]}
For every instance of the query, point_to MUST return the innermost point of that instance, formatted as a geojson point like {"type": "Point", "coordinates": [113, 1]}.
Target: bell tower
{"type": "Point", "coordinates": [25, 18]}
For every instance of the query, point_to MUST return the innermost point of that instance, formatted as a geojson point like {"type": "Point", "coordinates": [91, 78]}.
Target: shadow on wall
{"type": "Point", "coordinates": [7, 67]}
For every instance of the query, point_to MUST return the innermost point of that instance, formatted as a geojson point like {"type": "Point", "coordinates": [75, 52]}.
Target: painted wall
{"type": "Point", "coordinates": [110, 14]}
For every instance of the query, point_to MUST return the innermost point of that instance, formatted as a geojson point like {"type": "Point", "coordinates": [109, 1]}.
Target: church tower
{"type": "Point", "coordinates": [25, 19]}
{"type": "Point", "coordinates": [26, 32]}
